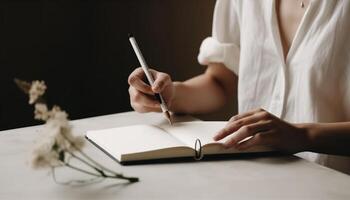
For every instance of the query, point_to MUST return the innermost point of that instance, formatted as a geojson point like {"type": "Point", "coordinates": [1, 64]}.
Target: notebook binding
{"type": "Point", "coordinates": [198, 153]}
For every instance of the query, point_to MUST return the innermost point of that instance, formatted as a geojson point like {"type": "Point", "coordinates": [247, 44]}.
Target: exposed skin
{"type": "Point", "coordinates": [212, 90]}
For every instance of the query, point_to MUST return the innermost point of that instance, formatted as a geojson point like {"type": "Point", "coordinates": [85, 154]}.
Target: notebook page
{"type": "Point", "coordinates": [133, 139]}
{"type": "Point", "coordinates": [188, 132]}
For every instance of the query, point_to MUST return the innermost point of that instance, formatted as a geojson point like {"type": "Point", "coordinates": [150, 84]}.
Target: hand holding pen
{"type": "Point", "coordinates": [152, 97]}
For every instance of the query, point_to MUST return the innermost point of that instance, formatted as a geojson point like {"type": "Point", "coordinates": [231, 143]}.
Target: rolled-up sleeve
{"type": "Point", "coordinates": [223, 46]}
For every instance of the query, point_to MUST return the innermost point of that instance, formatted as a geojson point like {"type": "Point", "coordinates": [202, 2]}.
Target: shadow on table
{"type": "Point", "coordinates": [283, 158]}
{"type": "Point", "coordinates": [108, 189]}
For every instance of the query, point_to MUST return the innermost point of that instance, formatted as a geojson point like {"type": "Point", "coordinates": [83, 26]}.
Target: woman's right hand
{"type": "Point", "coordinates": [142, 97]}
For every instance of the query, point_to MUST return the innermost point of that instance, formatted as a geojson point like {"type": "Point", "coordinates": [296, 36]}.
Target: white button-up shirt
{"type": "Point", "coordinates": [311, 85]}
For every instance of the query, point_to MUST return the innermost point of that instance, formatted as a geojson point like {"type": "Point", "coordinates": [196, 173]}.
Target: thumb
{"type": "Point", "coordinates": [162, 80]}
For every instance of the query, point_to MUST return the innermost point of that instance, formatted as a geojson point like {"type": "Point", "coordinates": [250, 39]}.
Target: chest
{"type": "Point", "coordinates": [317, 33]}
{"type": "Point", "coordinates": [317, 56]}
{"type": "Point", "coordinates": [289, 16]}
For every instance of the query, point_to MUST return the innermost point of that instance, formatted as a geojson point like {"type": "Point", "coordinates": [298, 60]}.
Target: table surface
{"type": "Point", "coordinates": [284, 177]}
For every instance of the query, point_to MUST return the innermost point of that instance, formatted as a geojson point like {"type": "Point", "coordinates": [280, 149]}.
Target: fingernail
{"type": "Point", "coordinates": [215, 138]}
{"type": "Point", "coordinates": [156, 104]}
{"type": "Point", "coordinates": [226, 145]}
{"type": "Point", "coordinates": [155, 88]}
{"type": "Point", "coordinates": [230, 144]}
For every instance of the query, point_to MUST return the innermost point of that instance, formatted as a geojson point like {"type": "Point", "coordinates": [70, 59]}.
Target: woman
{"type": "Point", "coordinates": [292, 60]}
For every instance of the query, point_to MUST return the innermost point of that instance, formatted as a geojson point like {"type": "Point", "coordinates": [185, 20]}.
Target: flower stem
{"type": "Point", "coordinates": [100, 171]}
{"type": "Point", "coordinates": [96, 163]}
{"type": "Point", "coordinates": [87, 181]}
{"type": "Point", "coordinates": [117, 176]}
{"type": "Point", "coordinates": [87, 163]}
{"type": "Point", "coordinates": [82, 170]}
{"type": "Point", "coordinates": [88, 157]}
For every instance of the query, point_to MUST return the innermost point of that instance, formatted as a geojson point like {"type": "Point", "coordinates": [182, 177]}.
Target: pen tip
{"type": "Point", "coordinates": [168, 116]}
{"type": "Point", "coordinates": [130, 35]}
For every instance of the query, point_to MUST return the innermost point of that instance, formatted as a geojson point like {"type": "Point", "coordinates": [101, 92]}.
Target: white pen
{"type": "Point", "coordinates": [149, 76]}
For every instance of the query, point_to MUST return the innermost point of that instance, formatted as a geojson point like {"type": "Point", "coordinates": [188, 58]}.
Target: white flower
{"type": "Point", "coordinates": [62, 131]}
{"type": "Point", "coordinates": [41, 112]}
{"type": "Point", "coordinates": [79, 142]}
{"type": "Point", "coordinates": [44, 155]}
{"type": "Point", "coordinates": [36, 90]}
{"type": "Point", "coordinates": [57, 137]}
{"type": "Point", "coordinates": [57, 145]}
{"type": "Point", "coordinates": [58, 118]}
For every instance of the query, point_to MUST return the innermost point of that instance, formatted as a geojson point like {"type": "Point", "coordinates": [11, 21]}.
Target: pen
{"type": "Point", "coordinates": [149, 76]}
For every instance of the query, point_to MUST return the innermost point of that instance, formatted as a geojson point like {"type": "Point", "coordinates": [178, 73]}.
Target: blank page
{"type": "Point", "coordinates": [133, 139]}
{"type": "Point", "coordinates": [188, 132]}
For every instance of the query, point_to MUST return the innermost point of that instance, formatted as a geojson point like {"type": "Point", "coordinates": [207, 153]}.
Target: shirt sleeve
{"type": "Point", "coordinates": [223, 46]}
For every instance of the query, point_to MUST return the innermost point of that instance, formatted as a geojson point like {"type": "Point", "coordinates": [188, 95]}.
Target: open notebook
{"type": "Point", "coordinates": [151, 142]}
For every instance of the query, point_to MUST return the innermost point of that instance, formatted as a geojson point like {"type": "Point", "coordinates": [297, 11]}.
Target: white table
{"type": "Point", "coordinates": [286, 177]}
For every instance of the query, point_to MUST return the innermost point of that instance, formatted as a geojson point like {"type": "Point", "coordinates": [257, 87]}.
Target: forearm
{"type": "Point", "coordinates": [205, 93]}
{"type": "Point", "coordinates": [201, 94]}
{"type": "Point", "coordinates": [330, 138]}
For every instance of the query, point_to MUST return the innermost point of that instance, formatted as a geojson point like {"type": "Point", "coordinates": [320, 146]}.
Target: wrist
{"type": "Point", "coordinates": [330, 138]}
{"type": "Point", "coordinates": [310, 132]}
{"type": "Point", "coordinates": [174, 104]}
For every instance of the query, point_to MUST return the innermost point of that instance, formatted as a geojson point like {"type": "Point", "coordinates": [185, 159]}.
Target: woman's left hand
{"type": "Point", "coordinates": [264, 129]}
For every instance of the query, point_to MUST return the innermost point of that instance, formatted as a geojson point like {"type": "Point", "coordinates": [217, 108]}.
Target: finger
{"type": "Point", "coordinates": [246, 114]}
{"type": "Point", "coordinates": [154, 72]}
{"type": "Point", "coordinates": [142, 99]}
{"type": "Point", "coordinates": [259, 139]}
{"type": "Point", "coordinates": [136, 80]}
{"type": "Point", "coordinates": [144, 109]}
{"type": "Point", "coordinates": [162, 80]}
{"type": "Point", "coordinates": [142, 86]}
{"type": "Point", "coordinates": [236, 125]}
{"type": "Point", "coordinates": [247, 131]}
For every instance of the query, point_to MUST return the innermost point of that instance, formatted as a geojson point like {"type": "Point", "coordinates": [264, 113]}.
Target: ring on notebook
{"type": "Point", "coordinates": [198, 154]}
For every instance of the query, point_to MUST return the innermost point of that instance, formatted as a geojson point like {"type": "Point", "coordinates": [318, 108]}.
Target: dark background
{"type": "Point", "coordinates": [81, 50]}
